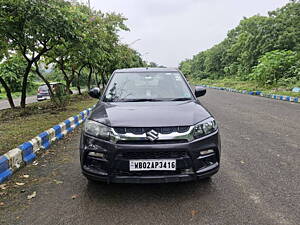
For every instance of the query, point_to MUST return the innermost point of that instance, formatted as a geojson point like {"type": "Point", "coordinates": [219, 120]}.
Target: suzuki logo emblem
{"type": "Point", "coordinates": [152, 135]}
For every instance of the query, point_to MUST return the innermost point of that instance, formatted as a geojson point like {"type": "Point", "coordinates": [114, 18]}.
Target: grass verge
{"type": "Point", "coordinates": [245, 85]}
{"type": "Point", "coordinates": [20, 125]}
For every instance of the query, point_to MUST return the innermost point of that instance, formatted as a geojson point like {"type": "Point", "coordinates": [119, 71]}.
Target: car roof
{"type": "Point", "coordinates": [146, 69]}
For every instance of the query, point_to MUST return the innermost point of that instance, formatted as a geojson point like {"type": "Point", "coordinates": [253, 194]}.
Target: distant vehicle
{"type": "Point", "coordinates": [43, 91]}
{"type": "Point", "coordinates": [149, 127]}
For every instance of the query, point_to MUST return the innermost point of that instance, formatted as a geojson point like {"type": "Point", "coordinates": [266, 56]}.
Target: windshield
{"type": "Point", "coordinates": [43, 88]}
{"type": "Point", "coordinates": [147, 86]}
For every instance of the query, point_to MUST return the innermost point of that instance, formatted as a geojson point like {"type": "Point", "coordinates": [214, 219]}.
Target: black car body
{"type": "Point", "coordinates": [144, 140]}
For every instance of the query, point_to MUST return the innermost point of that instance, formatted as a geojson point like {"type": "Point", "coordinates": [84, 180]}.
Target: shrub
{"type": "Point", "coordinates": [275, 65]}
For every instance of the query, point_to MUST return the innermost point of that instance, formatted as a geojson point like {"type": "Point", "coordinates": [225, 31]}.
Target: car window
{"type": "Point", "coordinates": [146, 85]}
{"type": "Point", "coordinates": [43, 88]}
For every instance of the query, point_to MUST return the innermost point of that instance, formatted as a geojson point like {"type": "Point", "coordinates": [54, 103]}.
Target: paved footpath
{"type": "Point", "coordinates": [259, 180]}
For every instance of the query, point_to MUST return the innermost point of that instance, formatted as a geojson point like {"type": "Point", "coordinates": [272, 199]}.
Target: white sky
{"type": "Point", "coordinates": [172, 30]}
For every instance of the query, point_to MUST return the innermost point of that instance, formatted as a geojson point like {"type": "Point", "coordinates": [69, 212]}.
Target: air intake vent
{"type": "Point", "coordinates": [154, 155]}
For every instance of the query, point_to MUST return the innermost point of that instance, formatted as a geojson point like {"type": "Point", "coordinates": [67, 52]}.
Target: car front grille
{"type": "Point", "coordinates": [142, 130]}
{"type": "Point", "coordinates": [147, 142]}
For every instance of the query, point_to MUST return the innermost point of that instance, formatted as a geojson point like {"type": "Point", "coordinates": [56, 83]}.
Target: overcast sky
{"type": "Point", "coordinates": [172, 30]}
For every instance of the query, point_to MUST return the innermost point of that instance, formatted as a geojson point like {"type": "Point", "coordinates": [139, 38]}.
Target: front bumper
{"type": "Point", "coordinates": [41, 97]}
{"type": "Point", "coordinates": [114, 166]}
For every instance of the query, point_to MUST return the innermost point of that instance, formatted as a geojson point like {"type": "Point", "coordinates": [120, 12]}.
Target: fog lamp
{"type": "Point", "coordinates": [206, 152]}
{"type": "Point", "coordinates": [96, 154]}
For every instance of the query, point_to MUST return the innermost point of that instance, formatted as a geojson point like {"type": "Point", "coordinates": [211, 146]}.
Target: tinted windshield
{"type": "Point", "coordinates": [146, 86]}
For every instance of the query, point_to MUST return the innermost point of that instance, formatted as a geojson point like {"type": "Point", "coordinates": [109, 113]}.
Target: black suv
{"type": "Point", "coordinates": [149, 127]}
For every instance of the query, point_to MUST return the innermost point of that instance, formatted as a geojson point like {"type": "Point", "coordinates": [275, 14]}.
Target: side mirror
{"type": "Point", "coordinates": [199, 91]}
{"type": "Point", "coordinates": [95, 92]}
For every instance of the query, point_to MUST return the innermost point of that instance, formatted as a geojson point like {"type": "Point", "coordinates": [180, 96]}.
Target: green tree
{"type": "Point", "coordinates": [11, 70]}
{"type": "Point", "coordinates": [274, 66]}
{"type": "Point", "coordinates": [65, 35]}
{"type": "Point", "coordinates": [242, 50]}
{"type": "Point", "coordinates": [185, 67]}
{"type": "Point", "coordinates": [33, 28]}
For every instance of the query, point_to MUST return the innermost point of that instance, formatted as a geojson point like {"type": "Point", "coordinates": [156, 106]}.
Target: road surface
{"type": "Point", "coordinates": [259, 180]}
{"type": "Point", "coordinates": [4, 104]}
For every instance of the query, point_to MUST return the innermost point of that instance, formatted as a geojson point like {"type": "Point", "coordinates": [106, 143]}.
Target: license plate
{"type": "Point", "coordinates": [152, 164]}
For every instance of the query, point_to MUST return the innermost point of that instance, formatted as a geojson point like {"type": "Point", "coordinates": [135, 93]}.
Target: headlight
{"type": "Point", "coordinates": [205, 127]}
{"type": "Point", "coordinates": [97, 129]}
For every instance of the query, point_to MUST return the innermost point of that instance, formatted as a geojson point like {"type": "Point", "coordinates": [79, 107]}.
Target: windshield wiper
{"type": "Point", "coordinates": [181, 99]}
{"type": "Point", "coordinates": [140, 100]}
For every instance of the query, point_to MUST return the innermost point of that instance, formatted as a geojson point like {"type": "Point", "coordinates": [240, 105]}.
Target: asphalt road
{"type": "Point", "coordinates": [259, 180]}
{"type": "Point", "coordinates": [4, 104]}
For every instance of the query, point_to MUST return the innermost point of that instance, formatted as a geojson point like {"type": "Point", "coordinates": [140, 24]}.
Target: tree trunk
{"type": "Point", "coordinates": [79, 90]}
{"type": "Point", "coordinates": [68, 84]}
{"type": "Point", "coordinates": [73, 76]}
{"type": "Point", "coordinates": [78, 84]}
{"type": "Point", "coordinates": [78, 79]}
{"type": "Point", "coordinates": [68, 81]}
{"type": "Point", "coordinates": [27, 71]}
{"type": "Point", "coordinates": [90, 77]}
{"type": "Point", "coordinates": [44, 79]}
{"type": "Point", "coordinates": [103, 78]}
{"type": "Point", "coordinates": [96, 78]}
{"type": "Point", "coordinates": [107, 77]}
{"type": "Point", "coordinates": [8, 93]}
{"type": "Point", "coordinates": [24, 84]}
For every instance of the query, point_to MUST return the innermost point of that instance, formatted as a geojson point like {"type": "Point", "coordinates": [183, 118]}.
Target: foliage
{"type": "Point", "coordinates": [65, 35]}
{"type": "Point", "coordinates": [261, 48]}
{"type": "Point", "coordinates": [34, 27]}
{"type": "Point", "coordinates": [11, 71]}
{"type": "Point", "coordinates": [152, 64]}
{"type": "Point", "coordinates": [59, 98]}
{"type": "Point", "coordinates": [275, 65]}
{"type": "Point", "coordinates": [232, 82]}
